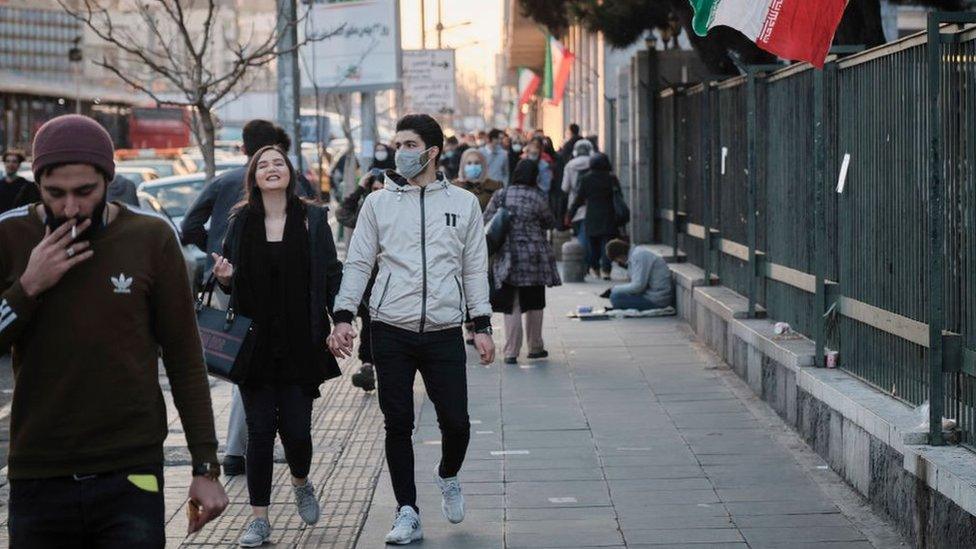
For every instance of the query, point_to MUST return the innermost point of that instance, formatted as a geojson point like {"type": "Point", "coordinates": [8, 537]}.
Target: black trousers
{"type": "Point", "coordinates": [115, 510]}
{"type": "Point", "coordinates": [365, 337]}
{"type": "Point", "coordinates": [270, 409]}
{"type": "Point", "coordinates": [440, 358]}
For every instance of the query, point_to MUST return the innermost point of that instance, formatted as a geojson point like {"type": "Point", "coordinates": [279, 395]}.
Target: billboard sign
{"type": "Point", "coordinates": [428, 81]}
{"type": "Point", "coordinates": [363, 56]}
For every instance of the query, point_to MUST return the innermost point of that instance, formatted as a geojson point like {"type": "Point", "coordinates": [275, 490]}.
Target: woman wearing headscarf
{"type": "Point", "coordinates": [595, 193]}
{"type": "Point", "coordinates": [525, 264]}
{"type": "Point", "coordinates": [383, 157]}
{"type": "Point", "coordinates": [473, 176]}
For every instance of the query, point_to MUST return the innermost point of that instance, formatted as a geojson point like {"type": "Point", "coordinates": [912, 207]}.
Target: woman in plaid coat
{"type": "Point", "coordinates": [525, 264]}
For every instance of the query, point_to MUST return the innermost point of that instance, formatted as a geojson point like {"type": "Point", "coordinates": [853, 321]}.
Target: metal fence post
{"type": "Point", "coordinates": [752, 139]}
{"type": "Point", "coordinates": [706, 177]}
{"type": "Point", "coordinates": [675, 158]}
{"type": "Point", "coordinates": [935, 219]}
{"type": "Point", "coordinates": [820, 224]}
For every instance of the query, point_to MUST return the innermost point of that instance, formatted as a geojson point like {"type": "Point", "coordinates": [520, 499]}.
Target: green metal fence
{"type": "Point", "coordinates": [878, 265]}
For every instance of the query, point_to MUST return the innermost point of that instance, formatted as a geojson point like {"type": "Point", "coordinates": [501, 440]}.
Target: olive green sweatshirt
{"type": "Point", "coordinates": [86, 382]}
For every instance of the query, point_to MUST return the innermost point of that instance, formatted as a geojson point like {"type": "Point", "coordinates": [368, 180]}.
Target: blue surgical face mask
{"type": "Point", "coordinates": [410, 163]}
{"type": "Point", "coordinates": [533, 156]}
{"type": "Point", "coordinates": [517, 147]}
{"type": "Point", "coordinates": [472, 171]}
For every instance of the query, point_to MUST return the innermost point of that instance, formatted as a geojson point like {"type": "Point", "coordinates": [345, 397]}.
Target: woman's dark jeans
{"type": "Point", "coordinates": [287, 411]}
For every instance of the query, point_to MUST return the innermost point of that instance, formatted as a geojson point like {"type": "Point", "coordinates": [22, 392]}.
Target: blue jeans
{"type": "Point", "coordinates": [580, 228]}
{"type": "Point", "coordinates": [106, 510]}
{"type": "Point", "coordinates": [632, 301]}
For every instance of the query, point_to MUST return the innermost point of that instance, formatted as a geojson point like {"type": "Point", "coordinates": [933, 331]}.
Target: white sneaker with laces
{"type": "Point", "coordinates": [452, 500]}
{"type": "Point", "coordinates": [406, 527]}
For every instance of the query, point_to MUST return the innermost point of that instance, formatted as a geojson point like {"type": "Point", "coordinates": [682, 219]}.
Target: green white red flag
{"type": "Point", "coordinates": [798, 30]}
{"type": "Point", "coordinates": [558, 62]}
{"type": "Point", "coordinates": [528, 84]}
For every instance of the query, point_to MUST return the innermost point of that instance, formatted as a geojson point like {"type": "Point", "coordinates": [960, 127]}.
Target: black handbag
{"type": "Point", "coordinates": [228, 338]}
{"type": "Point", "coordinates": [498, 228]}
{"type": "Point", "coordinates": [621, 211]}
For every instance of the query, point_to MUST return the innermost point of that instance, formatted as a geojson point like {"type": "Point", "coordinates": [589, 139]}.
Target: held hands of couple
{"type": "Point", "coordinates": [341, 339]}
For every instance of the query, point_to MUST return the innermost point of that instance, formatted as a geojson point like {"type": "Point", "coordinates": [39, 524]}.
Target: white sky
{"type": "Point", "coordinates": [477, 42]}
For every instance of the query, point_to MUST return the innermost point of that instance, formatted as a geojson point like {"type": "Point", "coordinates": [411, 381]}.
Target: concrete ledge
{"type": "Point", "coordinates": [687, 275]}
{"type": "Point", "coordinates": [864, 434]}
{"type": "Point", "coordinates": [666, 252]}
{"type": "Point", "coordinates": [794, 353]}
{"type": "Point", "coordinates": [949, 470]}
{"type": "Point", "coordinates": [724, 302]}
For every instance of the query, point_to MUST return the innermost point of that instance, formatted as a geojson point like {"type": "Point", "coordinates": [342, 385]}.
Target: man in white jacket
{"type": "Point", "coordinates": [428, 240]}
{"type": "Point", "coordinates": [582, 150]}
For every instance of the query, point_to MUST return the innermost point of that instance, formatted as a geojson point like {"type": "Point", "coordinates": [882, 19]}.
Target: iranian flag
{"type": "Point", "coordinates": [798, 30]}
{"type": "Point", "coordinates": [528, 84]}
{"type": "Point", "coordinates": [558, 62]}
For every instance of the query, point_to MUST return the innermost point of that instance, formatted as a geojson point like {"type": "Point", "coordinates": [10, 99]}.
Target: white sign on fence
{"type": "Point", "coordinates": [428, 81]}
{"type": "Point", "coordinates": [363, 56]}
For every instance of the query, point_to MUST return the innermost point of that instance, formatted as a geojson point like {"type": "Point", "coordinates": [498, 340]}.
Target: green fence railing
{"type": "Point", "coordinates": [878, 264]}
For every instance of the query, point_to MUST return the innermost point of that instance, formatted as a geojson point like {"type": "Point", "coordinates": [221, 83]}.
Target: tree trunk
{"type": "Point", "coordinates": [208, 135]}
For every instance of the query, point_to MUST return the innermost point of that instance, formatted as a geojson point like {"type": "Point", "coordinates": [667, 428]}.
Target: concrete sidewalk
{"type": "Point", "coordinates": [630, 435]}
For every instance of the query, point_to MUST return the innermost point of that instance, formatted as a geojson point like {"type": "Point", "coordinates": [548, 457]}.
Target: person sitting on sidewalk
{"type": "Point", "coordinates": [650, 285]}
{"type": "Point", "coordinates": [428, 240]}
{"type": "Point", "coordinates": [88, 316]}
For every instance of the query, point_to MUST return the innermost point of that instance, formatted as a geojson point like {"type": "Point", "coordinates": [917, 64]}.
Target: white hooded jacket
{"type": "Point", "coordinates": [571, 183]}
{"type": "Point", "coordinates": [429, 245]}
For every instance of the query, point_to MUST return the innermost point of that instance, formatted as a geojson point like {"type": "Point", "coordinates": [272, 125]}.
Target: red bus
{"type": "Point", "coordinates": [162, 128]}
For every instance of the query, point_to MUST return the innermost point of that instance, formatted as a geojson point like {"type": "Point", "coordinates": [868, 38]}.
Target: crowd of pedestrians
{"type": "Point", "coordinates": [417, 271]}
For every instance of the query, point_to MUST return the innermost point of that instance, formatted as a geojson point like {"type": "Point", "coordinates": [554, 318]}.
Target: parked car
{"type": "Point", "coordinates": [137, 174]}
{"type": "Point", "coordinates": [171, 197]}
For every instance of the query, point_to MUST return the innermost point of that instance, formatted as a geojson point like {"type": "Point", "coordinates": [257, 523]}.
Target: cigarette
{"type": "Point", "coordinates": [74, 232]}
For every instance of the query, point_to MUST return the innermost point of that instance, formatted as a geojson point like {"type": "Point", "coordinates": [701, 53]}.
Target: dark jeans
{"type": "Point", "coordinates": [597, 255]}
{"type": "Point", "coordinates": [105, 511]}
{"type": "Point", "coordinates": [270, 409]}
{"type": "Point", "coordinates": [366, 339]}
{"type": "Point", "coordinates": [441, 360]}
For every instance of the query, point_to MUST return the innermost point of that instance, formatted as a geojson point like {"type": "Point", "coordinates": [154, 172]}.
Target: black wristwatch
{"type": "Point", "coordinates": [209, 470]}
{"type": "Point", "coordinates": [486, 330]}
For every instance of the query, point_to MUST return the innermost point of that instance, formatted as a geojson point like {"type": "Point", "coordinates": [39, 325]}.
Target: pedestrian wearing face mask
{"type": "Point", "coordinates": [496, 156]}
{"type": "Point", "coordinates": [428, 239]}
{"type": "Point", "coordinates": [473, 177]}
{"type": "Point", "coordinates": [382, 158]}
{"type": "Point", "coordinates": [280, 267]}
{"type": "Point", "coordinates": [515, 152]}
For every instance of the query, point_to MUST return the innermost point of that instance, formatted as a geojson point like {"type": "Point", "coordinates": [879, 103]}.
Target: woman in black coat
{"type": "Point", "coordinates": [596, 190]}
{"type": "Point", "coordinates": [281, 271]}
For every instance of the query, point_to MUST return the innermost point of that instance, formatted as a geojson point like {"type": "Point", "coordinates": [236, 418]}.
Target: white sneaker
{"type": "Point", "coordinates": [452, 500]}
{"type": "Point", "coordinates": [406, 527]}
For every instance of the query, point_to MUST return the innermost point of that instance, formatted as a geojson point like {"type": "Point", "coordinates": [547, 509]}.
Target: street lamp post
{"type": "Point", "coordinates": [75, 57]}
